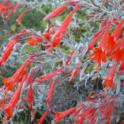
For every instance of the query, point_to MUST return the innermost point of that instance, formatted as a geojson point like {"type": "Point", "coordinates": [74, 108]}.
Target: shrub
{"type": "Point", "coordinates": [71, 71]}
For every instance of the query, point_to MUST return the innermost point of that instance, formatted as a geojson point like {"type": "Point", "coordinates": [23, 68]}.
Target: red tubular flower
{"type": "Point", "coordinates": [97, 35]}
{"type": "Point", "coordinates": [98, 55]}
{"type": "Point", "coordinates": [30, 96]}
{"type": "Point", "coordinates": [8, 83]}
{"type": "Point", "coordinates": [6, 53]}
{"type": "Point", "coordinates": [105, 38]}
{"type": "Point", "coordinates": [43, 117]}
{"type": "Point", "coordinates": [4, 9]}
{"type": "Point", "coordinates": [13, 102]}
{"type": "Point", "coordinates": [22, 69]}
{"type": "Point", "coordinates": [29, 80]}
{"type": "Point", "coordinates": [121, 66]}
{"type": "Point", "coordinates": [62, 29]}
{"type": "Point", "coordinates": [18, 75]}
{"type": "Point", "coordinates": [49, 76]}
{"type": "Point", "coordinates": [109, 83]}
{"type": "Point", "coordinates": [79, 113]}
{"type": "Point", "coordinates": [118, 55]}
{"type": "Point", "coordinates": [47, 35]}
{"type": "Point", "coordinates": [90, 115]}
{"type": "Point", "coordinates": [118, 31]}
{"type": "Point", "coordinates": [1, 7]}
{"type": "Point", "coordinates": [35, 41]}
{"type": "Point", "coordinates": [115, 21]}
{"type": "Point", "coordinates": [9, 47]}
{"type": "Point", "coordinates": [95, 38]}
{"type": "Point", "coordinates": [60, 115]}
{"type": "Point", "coordinates": [79, 120]}
{"type": "Point", "coordinates": [9, 14]}
{"type": "Point", "coordinates": [56, 12]}
{"type": "Point", "coordinates": [20, 17]}
{"type": "Point", "coordinates": [110, 45]}
{"type": "Point", "coordinates": [50, 92]}
{"type": "Point", "coordinates": [107, 112]}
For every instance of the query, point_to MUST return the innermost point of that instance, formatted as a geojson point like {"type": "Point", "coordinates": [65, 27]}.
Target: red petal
{"type": "Point", "coordinates": [109, 83]}
{"type": "Point", "coordinates": [8, 83]}
{"type": "Point", "coordinates": [43, 117]}
{"type": "Point", "coordinates": [56, 12]}
{"type": "Point", "coordinates": [34, 41]}
{"type": "Point", "coordinates": [20, 17]}
{"type": "Point", "coordinates": [60, 115]}
{"type": "Point", "coordinates": [50, 92]}
{"type": "Point", "coordinates": [62, 29]}
{"type": "Point", "coordinates": [98, 55]}
{"type": "Point", "coordinates": [49, 76]}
